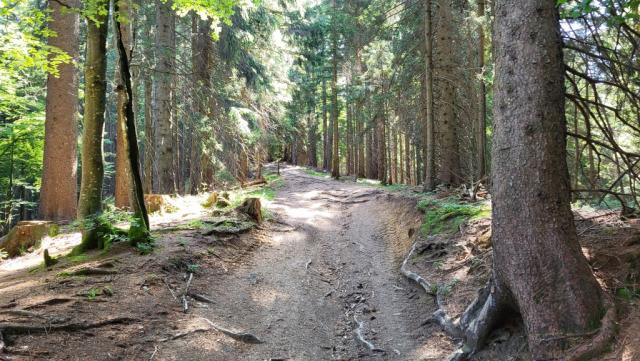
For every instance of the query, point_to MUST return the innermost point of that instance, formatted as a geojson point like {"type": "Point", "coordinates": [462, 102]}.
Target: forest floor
{"type": "Point", "coordinates": [319, 280]}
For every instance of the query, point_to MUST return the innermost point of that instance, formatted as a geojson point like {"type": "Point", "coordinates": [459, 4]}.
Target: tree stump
{"type": "Point", "coordinates": [26, 235]}
{"type": "Point", "coordinates": [211, 201]}
{"type": "Point", "coordinates": [154, 202]}
{"type": "Point", "coordinates": [252, 208]}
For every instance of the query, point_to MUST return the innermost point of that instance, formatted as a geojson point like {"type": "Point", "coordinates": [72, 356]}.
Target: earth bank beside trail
{"type": "Point", "coordinates": [318, 280]}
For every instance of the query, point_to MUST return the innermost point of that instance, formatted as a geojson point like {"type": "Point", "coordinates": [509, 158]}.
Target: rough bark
{"type": "Point", "coordinates": [58, 194]}
{"type": "Point", "coordinates": [481, 138]}
{"type": "Point", "coordinates": [326, 132]}
{"type": "Point", "coordinates": [449, 168]}
{"type": "Point", "coordinates": [429, 155]}
{"type": "Point", "coordinates": [162, 93]}
{"type": "Point", "coordinates": [335, 161]}
{"type": "Point", "coordinates": [123, 175]}
{"type": "Point", "coordinates": [90, 202]}
{"type": "Point", "coordinates": [539, 268]}
{"type": "Point", "coordinates": [139, 229]}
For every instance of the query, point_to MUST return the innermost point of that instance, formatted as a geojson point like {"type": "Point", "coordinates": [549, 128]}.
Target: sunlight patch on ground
{"type": "Point", "coordinates": [183, 208]}
{"type": "Point", "coordinates": [57, 246]}
{"type": "Point", "coordinates": [268, 297]}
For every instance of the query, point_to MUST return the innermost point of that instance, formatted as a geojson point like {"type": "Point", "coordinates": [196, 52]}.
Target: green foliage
{"type": "Point", "coordinates": [145, 248]}
{"type": "Point", "coordinates": [315, 173]}
{"type": "Point", "coordinates": [446, 215]}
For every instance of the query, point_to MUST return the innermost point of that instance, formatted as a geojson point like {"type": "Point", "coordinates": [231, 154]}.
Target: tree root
{"type": "Point", "coordinates": [361, 338]}
{"type": "Point", "coordinates": [91, 271]}
{"type": "Point", "coordinates": [486, 311]}
{"type": "Point", "coordinates": [238, 336]}
{"type": "Point", "coordinates": [21, 329]}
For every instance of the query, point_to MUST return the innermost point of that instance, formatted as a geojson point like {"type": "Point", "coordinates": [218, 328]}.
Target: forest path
{"type": "Point", "coordinates": [333, 258]}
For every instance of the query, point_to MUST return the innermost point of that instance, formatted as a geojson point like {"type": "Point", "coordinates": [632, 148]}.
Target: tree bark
{"type": "Point", "coordinates": [58, 194]}
{"type": "Point", "coordinates": [539, 267]}
{"type": "Point", "coordinates": [139, 229]}
{"type": "Point", "coordinates": [90, 203]}
{"type": "Point", "coordinates": [429, 149]}
{"type": "Point", "coordinates": [162, 92]}
{"type": "Point", "coordinates": [481, 138]}
{"type": "Point", "coordinates": [123, 186]}
{"type": "Point", "coordinates": [335, 164]}
{"type": "Point", "coordinates": [326, 132]}
{"type": "Point", "coordinates": [449, 171]}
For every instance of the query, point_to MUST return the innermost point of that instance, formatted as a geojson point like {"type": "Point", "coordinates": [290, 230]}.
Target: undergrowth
{"type": "Point", "coordinates": [446, 215]}
{"type": "Point", "coordinates": [315, 173]}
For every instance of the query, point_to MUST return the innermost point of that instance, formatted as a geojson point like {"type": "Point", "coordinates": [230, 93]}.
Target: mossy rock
{"type": "Point", "coordinates": [27, 235]}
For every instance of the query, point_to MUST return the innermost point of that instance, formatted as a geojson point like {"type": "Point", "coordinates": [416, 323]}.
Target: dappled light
{"type": "Point", "coordinates": [378, 180]}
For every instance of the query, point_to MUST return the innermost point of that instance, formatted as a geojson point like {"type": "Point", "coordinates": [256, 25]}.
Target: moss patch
{"type": "Point", "coordinates": [446, 215]}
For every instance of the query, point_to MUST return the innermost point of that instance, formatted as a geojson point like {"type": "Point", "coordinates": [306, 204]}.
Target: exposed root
{"type": "Point", "coordinates": [601, 340]}
{"type": "Point", "coordinates": [91, 271]}
{"type": "Point", "coordinates": [361, 338]}
{"type": "Point", "coordinates": [185, 303]}
{"type": "Point", "coordinates": [200, 298]}
{"type": "Point", "coordinates": [428, 288]}
{"type": "Point", "coordinates": [21, 329]}
{"type": "Point", "coordinates": [238, 336]}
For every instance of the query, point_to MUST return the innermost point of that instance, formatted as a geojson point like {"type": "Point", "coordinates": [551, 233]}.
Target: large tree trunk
{"type": "Point", "coordinates": [90, 203]}
{"type": "Point", "coordinates": [449, 171]}
{"type": "Point", "coordinates": [539, 268]}
{"type": "Point", "coordinates": [163, 119]}
{"type": "Point", "coordinates": [58, 195]}
{"type": "Point", "coordinates": [123, 187]}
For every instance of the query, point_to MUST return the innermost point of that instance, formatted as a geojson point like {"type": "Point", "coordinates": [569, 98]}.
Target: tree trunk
{"type": "Point", "coordinates": [539, 268]}
{"type": "Point", "coordinates": [481, 138]}
{"type": "Point", "coordinates": [163, 117]}
{"type": "Point", "coordinates": [139, 228]}
{"type": "Point", "coordinates": [429, 149]}
{"type": "Point", "coordinates": [449, 172]}
{"type": "Point", "coordinates": [90, 203]}
{"type": "Point", "coordinates": [58, 195]}
{"type": "Point", "coordinates": [326, 132]}
{"type": "Point", "coordinates": [123, 187]}
{"type": "Point", "coordinates": [335, 164]}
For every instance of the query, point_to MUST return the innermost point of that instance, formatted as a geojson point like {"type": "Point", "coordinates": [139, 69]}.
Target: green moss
{"type": "Point", "coordinates": [446, 215]}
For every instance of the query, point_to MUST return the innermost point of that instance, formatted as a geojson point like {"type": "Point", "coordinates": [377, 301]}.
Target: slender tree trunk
{"type": "Point", "coordinates": [123, 186]}
{"type": "Point", "coordinates": [90, 202]}
{"type": "Point", "coordinates": [407, 159]}
{"type": "Point", "coordinates": [449, 172]}
{"type": "Point", "coordinates": [401, 156]}
{"type": "Point", "coordinates": [163, 119]}
{"type": "Point", "coordinates": [481, 138]}
{"type": "Point", "coordinates": [429, 148]}
{"type": "Point", "coordinates": [58, 198]}
{"type": "Point", "coordinates": [335, 164]}
{"type": "Point", "coordinates": [312, 142]}
{"type": "Point", "coordinates": [539, 268]}
{"type": "Point", "coordinates": [326, 133]}
{"type": "Point", "coordinates": [139, 229]}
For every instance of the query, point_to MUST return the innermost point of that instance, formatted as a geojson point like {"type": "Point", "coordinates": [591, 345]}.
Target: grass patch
{"type": "Point", "coordinates": [315, 173]}
{"type": "Point", "coordinates": [446, 215]}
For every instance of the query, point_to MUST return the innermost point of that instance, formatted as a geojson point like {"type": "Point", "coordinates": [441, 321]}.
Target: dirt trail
{"type": "Point", "coordinates": [330, 266]}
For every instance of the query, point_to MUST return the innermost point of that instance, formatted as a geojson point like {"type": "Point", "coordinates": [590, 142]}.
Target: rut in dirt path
{"type": "Point", "coordinates": [326, 285]}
